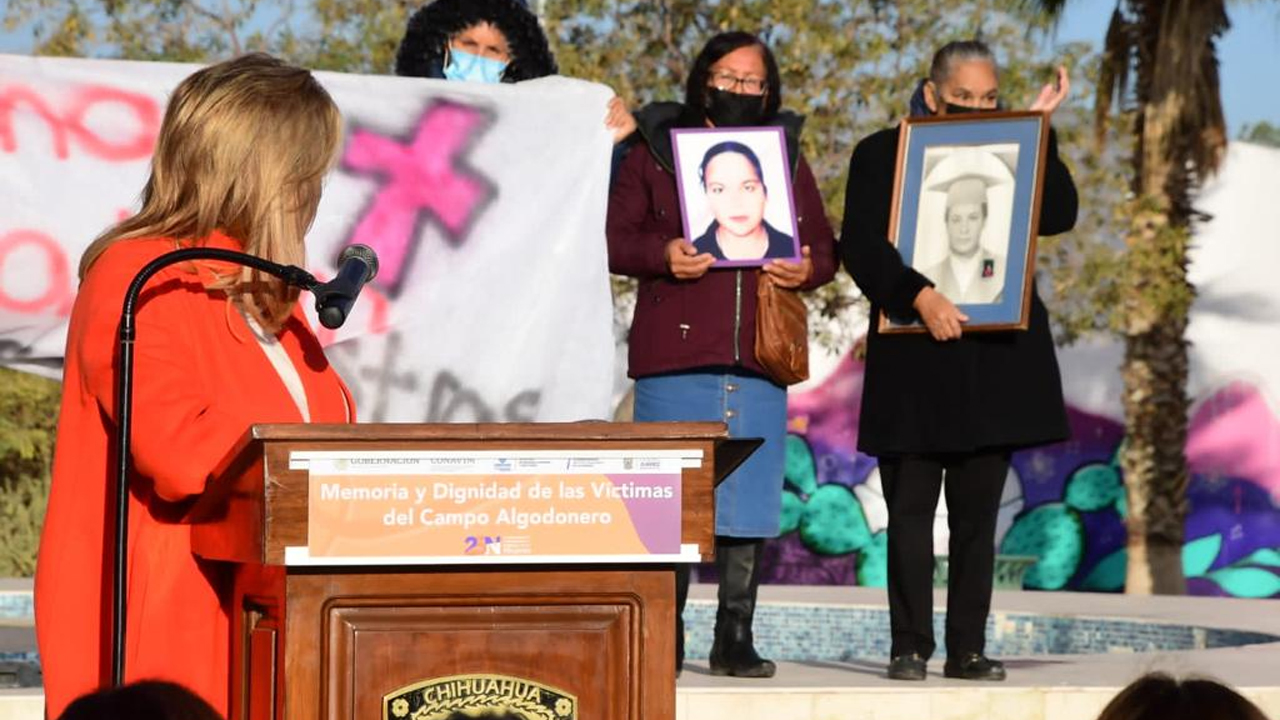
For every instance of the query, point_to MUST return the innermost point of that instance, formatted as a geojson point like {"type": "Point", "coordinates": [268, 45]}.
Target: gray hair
{"type": "Point", "coordinates": [958, 51]}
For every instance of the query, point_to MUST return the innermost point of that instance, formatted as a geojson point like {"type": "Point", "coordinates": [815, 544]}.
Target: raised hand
{"type": "Point", "coordinates": [619, 119]}
{"type": "Point", "coordinates": [1052, 94]}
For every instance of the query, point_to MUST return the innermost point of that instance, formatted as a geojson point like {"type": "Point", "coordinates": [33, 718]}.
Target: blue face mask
{"type": "Point", "coordinates": [473, 68]}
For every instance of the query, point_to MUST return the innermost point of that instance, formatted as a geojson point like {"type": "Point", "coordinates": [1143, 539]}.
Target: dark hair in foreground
{"type": "Point", "coordinates": [1157, 696]}
{"type": "Point", "coordinates": [421, 52]}
{"type": "Point", "coordinates": [730, 146]}
{"type": "Point", "coordinates": [144, 700]}
{"type": "Point", "coordinates": [695, 89]}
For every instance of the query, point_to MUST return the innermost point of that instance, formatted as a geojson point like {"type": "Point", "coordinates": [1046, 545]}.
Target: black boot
{"type": "Point", "coordinates": [733, 651]}
{"type": "Point", "coordinates": [682, 596]}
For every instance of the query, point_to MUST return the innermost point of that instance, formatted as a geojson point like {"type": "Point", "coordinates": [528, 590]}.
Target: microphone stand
{"type": "Point", "coordinates": [294, 276]}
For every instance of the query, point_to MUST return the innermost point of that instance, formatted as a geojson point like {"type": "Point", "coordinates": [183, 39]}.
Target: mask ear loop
{"type": "Point", "coordinates": [448, 53]}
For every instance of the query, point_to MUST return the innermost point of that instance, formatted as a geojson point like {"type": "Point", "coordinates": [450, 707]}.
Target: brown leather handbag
{"type": "Point", "coordinates": [782, 332]}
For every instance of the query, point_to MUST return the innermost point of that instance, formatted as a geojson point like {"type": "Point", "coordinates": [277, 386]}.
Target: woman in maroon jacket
{"type": "Point", "coordinates": [693, 337]}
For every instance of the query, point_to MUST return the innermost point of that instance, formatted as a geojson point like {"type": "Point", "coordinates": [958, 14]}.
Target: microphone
{"type": "Point", "coordinates": [357, 265]}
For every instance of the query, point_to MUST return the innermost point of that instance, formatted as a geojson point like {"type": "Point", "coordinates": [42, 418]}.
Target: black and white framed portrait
{"type": "Point", "coordinates": [965, 209]}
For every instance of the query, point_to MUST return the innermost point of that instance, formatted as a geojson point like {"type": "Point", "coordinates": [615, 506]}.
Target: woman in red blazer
{"type": "Point", "coordinates": [238, 164]}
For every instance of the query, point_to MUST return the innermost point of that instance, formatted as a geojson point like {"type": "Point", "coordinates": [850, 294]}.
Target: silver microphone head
{"type": "Point", "coordinates": [364, 253]}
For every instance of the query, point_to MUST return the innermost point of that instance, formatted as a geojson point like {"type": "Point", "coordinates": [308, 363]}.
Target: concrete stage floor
{"type": "Point", "coordinates": [1040, 686]}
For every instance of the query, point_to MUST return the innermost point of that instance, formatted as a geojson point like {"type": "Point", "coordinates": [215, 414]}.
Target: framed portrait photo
{"type": "Point", "coordinates": [735, 194]}
{"type": "Point", "coordinates": [966, 209]}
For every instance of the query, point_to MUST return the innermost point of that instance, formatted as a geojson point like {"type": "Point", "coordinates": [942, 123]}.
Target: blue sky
{"type": "Point", "coordinates": [1249, 54]}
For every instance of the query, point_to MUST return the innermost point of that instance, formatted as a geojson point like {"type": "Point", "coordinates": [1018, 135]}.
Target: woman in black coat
{"type": "Point", "coordinates": [945, 401]}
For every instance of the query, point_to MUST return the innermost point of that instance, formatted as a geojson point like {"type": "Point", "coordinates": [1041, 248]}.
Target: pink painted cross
{"type": "Point", "coordinates": [422, 180]}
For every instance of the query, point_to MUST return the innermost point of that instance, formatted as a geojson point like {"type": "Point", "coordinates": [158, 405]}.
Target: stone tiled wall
{"type": "Point", "coordinates": [836, 633]}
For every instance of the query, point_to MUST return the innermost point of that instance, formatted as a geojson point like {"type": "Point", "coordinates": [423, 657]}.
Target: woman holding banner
{"type": "Point", "coordinates": [238, 164]}
{"type": "Point", "coordinates": [692, 339]}
{"type": "Point", "coordinates": [487, 41]}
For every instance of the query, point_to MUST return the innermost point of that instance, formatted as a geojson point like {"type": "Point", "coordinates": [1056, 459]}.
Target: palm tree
{"type": "Point", "coordinates": [1160, 64]}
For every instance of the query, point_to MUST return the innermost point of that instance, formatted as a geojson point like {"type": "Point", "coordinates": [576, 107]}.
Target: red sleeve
{"type": "Point", "coordinates": [179, 432]}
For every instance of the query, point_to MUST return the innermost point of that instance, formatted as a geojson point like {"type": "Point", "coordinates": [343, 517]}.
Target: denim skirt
{"type": "Point", "coordinates": [748, 502]}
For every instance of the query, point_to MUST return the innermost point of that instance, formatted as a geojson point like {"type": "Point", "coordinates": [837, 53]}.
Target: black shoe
{"type": "Point", "coordinates": [733, 653]}
{"type": "Point", "coordinates": [907, 667]}
{"type": "Point", "coordinates": [972, 666]}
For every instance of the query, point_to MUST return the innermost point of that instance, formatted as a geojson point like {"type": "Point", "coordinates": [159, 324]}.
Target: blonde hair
{"type": "Point", "coordinates": [243, 149]}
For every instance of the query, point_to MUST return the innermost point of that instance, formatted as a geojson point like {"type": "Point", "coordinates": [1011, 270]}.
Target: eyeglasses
{"type": "Point", "coordinates": [730, 82]}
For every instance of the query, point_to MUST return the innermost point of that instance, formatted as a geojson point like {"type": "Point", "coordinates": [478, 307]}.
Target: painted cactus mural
{"type": "Point", "coordinates": [1063, 504]}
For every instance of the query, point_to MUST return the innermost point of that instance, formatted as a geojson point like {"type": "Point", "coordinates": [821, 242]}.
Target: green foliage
{"type": "Point", "coordinates": [1155, 272]}
{"type": "Point", "coordinates": [1263, 133]}
{"type": "Point", "coordinates": [344, 35]}
{"type": "Point", "coordinates": [850, 68]}
{"type": "Point", "coordinates": [28, 423]}
{"type": "Point", "coordinates": [352, 35]}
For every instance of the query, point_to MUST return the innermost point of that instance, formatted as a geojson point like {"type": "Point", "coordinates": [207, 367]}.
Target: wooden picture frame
{"type": "Point", "coordinates": [966, 211]}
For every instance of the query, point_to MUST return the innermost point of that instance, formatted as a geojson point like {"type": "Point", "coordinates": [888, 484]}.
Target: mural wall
{"type": "Point", "coordinates": [1064, 505]}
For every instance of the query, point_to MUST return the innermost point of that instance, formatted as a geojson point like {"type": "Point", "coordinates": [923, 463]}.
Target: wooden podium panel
{"type": "Point", "coordinates": [547, 626]}
{"type": "Point", "coordinates": [337, 642]}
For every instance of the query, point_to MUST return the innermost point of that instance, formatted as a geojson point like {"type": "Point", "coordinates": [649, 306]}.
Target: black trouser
{"type": "Point", "coordinates": [911, 488]}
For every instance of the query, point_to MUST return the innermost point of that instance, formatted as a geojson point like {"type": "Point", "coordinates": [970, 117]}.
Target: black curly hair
{"type": "Point", "coordinates": [421, 52]}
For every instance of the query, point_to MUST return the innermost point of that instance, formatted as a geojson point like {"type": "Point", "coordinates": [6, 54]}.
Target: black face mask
{"type": "Point", "coordinates": [730, 109]}
{"type": "Point", "coordinates": [953, 109]}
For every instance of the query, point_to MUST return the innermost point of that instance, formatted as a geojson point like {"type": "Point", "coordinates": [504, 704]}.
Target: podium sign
{"type": "Point", "coordinates": [411, 572]}
{"type": "Point", "coordinates": [560, 506]}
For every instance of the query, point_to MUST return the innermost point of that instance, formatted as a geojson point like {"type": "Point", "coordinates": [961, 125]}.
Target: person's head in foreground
{"type": "Point", "coordinates": [475, 40]}
{"type": "Point", "coordinates": [1157, 696]}
{"type": "Point", "coordinates": [243, 149]}
{"type": "Point", "coordinates": [144, 700]}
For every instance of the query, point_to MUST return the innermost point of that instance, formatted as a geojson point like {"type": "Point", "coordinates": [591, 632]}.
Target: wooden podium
{"type": "Point", "coordinates": [593, 640]}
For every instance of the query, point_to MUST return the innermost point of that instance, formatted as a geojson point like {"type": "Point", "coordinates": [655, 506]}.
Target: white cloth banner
{"type": "Point", "coordinates": [485, 203]}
